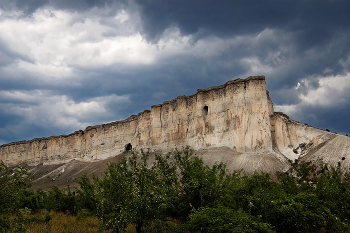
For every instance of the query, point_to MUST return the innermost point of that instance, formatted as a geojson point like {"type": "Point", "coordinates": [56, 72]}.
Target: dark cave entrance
{"type": "Point", "coordinates": [205, 110]}
{"type": "Point", "coordinates": [128, 147]}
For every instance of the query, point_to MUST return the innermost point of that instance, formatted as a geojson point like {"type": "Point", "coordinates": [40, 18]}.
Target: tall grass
{"type": "Point", "coordinates": [84, 222]}
{"type": "Point", "coordinates": [61, 222]}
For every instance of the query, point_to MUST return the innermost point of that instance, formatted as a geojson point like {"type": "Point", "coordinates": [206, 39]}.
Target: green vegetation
{"type": "Point", "coordinates": [12, 182]}
{"type": "Point", "coordinates": [177, 192]}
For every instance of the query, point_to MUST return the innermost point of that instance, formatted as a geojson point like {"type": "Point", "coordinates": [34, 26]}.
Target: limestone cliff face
{"type": "Point", "coordinates": [295, 140]}
{"type": "Point", "coordinates": [234, 115]}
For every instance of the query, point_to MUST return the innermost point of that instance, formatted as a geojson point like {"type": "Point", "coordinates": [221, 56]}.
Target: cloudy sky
{"type": "Point", "coordinates": [65, 64]}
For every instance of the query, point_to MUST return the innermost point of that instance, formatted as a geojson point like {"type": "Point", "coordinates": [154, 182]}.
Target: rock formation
{"type": "Point", "coordinates": [233, 123]}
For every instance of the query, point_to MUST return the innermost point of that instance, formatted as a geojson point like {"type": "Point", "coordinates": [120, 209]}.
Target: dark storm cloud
{"type": "Point", "coordinates": [322, 61]}
{"type": "Point", "coordinates": [317, 32]}
{"type": "Point", "coordinates": [30, 6]}
{"type": "Point", "coordinates": [333, 118]}
{"type": "Point", "coordinates": [314, 21]}
{"type": "Point", "coordinates": [178, 75]}
{"type": "Point", "coordinates": [13, 79]}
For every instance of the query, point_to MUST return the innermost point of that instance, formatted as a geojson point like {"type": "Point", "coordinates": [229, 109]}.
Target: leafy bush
{"type": "Point", "coordinates": [61, 200]}
{"type": "Point", "coordinates": [221, 219]}
{"type": "Point", "coordinates": [32, 200]}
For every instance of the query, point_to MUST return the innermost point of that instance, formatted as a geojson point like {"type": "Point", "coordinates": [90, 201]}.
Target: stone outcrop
{"type": "Point", "coordinates": [233, 123]}
{"type": "Point", "coordinates": [301, 141]}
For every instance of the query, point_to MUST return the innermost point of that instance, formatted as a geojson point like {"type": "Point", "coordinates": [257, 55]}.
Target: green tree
{"type": "Point", "coordinates": [34, 200]}
{"type": "Point", "coordinates": [333, 191]}
{"type": "Point", "coordinates": [63, 200]}
{"type": "Point", "coordinates": [199, 184]}
{"type": "Point", "coordinates": [131, 192]}
{"type": "Point", "coordinates": [12, 182]}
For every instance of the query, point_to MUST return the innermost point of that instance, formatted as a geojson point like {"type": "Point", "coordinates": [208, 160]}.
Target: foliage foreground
{"type": "Point", "coordinates": [177, 192]}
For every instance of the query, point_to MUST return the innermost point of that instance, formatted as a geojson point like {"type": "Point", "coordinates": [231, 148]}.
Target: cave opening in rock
{"type": "Point", "coordinates": [128, 147]}
{"type": "Point", "coordinates": [205, 110]}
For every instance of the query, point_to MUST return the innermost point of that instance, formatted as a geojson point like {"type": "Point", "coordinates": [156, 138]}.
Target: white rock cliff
{"type": "Point", "coordinates": [238, 115]}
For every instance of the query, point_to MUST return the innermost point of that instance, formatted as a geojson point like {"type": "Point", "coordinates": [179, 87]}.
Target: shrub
{"type": "Point", "coordinates": [221, 219]}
